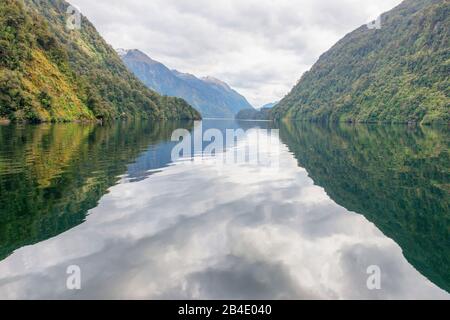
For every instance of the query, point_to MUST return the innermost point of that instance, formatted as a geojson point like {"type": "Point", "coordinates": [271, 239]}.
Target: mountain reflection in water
{"type": "Point", "coordinates": [108, 200]}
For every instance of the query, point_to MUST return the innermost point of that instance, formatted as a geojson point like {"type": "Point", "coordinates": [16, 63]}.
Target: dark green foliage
{"type": "Point", "coordinates": [396, 176]}
{"type": "Point", "coordinates": [253, 114]}
{"type": "Point", "coordinates": [45, 99]}
{"type": "Point", "coordinates": [399, 73]}
{"type": "Point", "coordinates": [94, 76]}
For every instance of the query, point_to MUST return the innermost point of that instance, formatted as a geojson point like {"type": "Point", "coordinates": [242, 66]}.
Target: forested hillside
{"type": "Point", "coordinates": [51, 73]}
{"type": "Point", "coordinates": [253, 114]}
{"type": "Point", "coordinates": [399, 73]}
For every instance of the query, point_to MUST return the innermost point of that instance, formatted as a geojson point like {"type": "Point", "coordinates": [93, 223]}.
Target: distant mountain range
{"type": "Point", "coordinates": [211, 97]}
{"type": "Point", "coordinates": [397, 72]}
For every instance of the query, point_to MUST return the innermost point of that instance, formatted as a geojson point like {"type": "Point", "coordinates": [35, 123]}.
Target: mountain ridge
{"type": "Point", "coordinates": [396, 74]}
{"type": "Point", "coordinates": [49, 72]}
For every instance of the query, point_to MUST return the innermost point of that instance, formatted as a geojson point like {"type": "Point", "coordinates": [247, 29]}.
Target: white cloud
{"type": "Point", "coordinates": [260, 47]}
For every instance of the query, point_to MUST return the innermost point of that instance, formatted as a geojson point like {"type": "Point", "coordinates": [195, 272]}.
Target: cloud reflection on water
{"type": "Point", "coordinates": [192, 231]}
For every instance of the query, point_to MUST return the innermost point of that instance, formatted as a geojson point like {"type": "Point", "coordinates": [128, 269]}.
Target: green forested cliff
{"type": "Point", "coordinates": [51, 73]}
{"type": "Point", "coordinates": [399, 73]}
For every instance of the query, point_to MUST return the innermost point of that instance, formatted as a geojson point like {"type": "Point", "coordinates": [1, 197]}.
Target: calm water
{"type": "Point", "coordinates": [109, 200]}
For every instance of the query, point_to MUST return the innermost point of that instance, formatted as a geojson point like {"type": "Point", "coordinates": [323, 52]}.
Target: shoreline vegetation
{"type": "Point", "coordinates": [267, 115]}
{"type": "Point", "coordinates": [5, 122]}
{"type": "Point", "coordinates": [366, 122]}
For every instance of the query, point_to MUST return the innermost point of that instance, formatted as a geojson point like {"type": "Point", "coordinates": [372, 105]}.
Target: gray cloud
{"type": "Point", "coordinates": [260, 47]}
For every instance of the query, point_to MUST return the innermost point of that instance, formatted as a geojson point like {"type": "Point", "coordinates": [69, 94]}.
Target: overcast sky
{"type": "Point", "coordinates": [260, 47]}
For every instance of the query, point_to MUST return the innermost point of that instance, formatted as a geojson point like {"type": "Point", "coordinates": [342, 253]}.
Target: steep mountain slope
{"type": "Point", "coordinates": [51, 73]}
{"type": "Point", "coordinates": [212, 97]}
{"type": "Point", "coordinates": [399, 73]}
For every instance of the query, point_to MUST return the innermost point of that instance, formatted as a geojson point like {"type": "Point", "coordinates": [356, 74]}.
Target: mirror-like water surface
{"type": "Point", "coordinates": [109, 200]}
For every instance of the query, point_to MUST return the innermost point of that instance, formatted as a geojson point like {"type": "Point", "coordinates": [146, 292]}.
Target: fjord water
{"type": "Point", "coordinates": [109, 200]}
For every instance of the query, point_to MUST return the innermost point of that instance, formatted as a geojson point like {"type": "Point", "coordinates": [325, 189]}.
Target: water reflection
{"type": "Point", "coordinates": [397, 177]}
{"type": "Point", "coordinates": [51, 175]}
{"type": "Point", "coordinates": [189, 230]}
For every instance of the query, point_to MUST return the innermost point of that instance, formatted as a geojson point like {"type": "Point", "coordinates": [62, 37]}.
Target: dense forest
{"type": "Point", "coordinates": [253, 114]}
{"type": "Point", "coordinates": [49, 72]}
{"type": "Point", "coordinates": [397, 74]}
{"type": "Point", "coordinates": [396, 176]}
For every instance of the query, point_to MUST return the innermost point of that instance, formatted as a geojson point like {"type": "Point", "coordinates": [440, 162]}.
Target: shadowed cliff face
{"type": "Point", "coordinates": [52, 175]}
{"type": "Point", "coordinates": [397, 177]}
